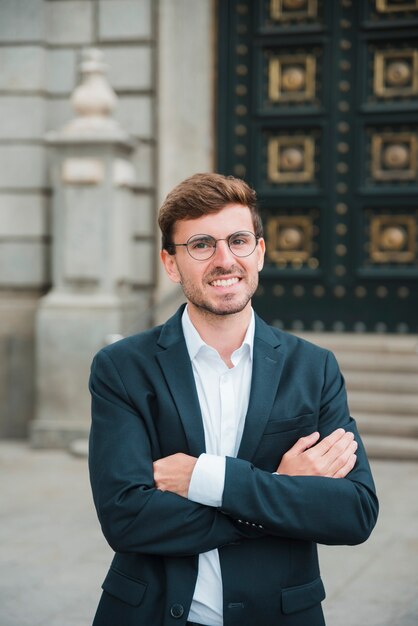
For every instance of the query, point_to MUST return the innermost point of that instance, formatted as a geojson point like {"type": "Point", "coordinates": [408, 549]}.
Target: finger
{"type": "Point", "coordinates": [342, 458]}
{"type": "Point", "coordinates": [338, 454]}
{"type": "Point", "coordinates": [328, 442]}
{"type": "Point", "coordinates": [303, 444]}
{"type": "Point", "coordinates": [331, 461]}
{"type": "Point", "coordinates": [346, 469]}
{"type": "Point", "coordinates": [156, 473]}
{"type": "Point", "coordinates": [338, 439]}
{"type": "Point", "coordinates": [340, 447]}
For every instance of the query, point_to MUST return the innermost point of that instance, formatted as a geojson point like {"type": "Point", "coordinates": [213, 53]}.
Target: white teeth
{"type": "Point", "coordinates": [224, 283]}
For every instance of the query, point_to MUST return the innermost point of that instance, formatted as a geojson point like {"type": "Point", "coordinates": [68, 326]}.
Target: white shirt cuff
{"type": "Point", "coordinates": [207, 481]}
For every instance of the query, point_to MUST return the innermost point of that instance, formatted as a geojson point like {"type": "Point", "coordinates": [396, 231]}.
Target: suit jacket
{"type": "Point", "coordinates": [144, 407]}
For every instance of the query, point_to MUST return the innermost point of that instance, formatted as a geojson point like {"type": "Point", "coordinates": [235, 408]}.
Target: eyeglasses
{"type": "Point", "coordinates": [203, 247]}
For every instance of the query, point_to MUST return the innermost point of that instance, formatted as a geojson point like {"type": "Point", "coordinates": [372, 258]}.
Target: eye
{"type": "Point", "coordinates": [201, 243]}
{"type": "Point", "coordinates": [239, 239]}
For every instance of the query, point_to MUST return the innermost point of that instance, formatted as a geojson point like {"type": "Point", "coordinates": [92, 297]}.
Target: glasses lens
{"type": "Point", "coordinates": [242, 243]}
{"type": "Point", "coordinates": [201, 247]}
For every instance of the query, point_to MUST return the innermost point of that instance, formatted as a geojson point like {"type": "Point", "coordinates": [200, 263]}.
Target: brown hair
{"type": "Point", "coordinates": [200, 195]}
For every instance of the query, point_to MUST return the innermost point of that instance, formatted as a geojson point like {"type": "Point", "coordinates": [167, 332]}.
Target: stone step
{"type": "Point", "coordinates": [363, 342]}
{"type": "Point", "coordinates": [395, 448]}
{"type": "Point", "coordinates": [378, 362]}
{"type": "Point", "coordinates": [383, 403]}
{"type": "Point", "coordinates": [381, 373]}
{"type": "Point", "coordinates": [387, 425]}
{"type": "Point", "coordinates": [395, 382]}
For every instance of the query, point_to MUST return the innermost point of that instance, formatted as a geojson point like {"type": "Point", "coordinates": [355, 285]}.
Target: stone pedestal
{"type": "Point", "coordinates": [91, 299]}
{"type": "Point", "coordinates": [70, 330]}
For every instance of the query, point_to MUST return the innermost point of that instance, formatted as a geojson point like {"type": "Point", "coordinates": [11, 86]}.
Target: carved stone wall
{"type": "Point", "coordinates": [40, 49]}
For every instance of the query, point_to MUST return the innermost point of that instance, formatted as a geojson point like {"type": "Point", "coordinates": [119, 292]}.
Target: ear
{"type": "Point", "coordinates": [170, 265]}
{"type": "Point", "coordinates": [261, 250]}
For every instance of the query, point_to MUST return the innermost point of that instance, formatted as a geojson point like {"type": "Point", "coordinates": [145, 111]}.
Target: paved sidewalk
{"type": "Point", "coordinates": [53, 556]}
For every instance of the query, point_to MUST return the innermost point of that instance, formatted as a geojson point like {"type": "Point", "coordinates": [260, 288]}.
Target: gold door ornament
{"type": "Point", "coordinates": [291, 78]}
{"type": "Point", "coordinates": [289, 240]}
{"type": "Point", "coordinates": [291, 159]}
{"type": "Point", "coordinates": [396, 73]}
{"type": "Point", "coordinates": [390, 6]}
{"type": "Point", "coordinates": [394, 156]}
{"type": "Point", "coordinates": [283, 10]}
{"type": "Point", "coordinates": [393, 239]}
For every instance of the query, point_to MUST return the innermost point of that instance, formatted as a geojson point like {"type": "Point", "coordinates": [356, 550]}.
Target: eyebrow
{"type": "Point", "coordinates": [201, 236]}
{"type": "Point", "coordinates": [235, 232]}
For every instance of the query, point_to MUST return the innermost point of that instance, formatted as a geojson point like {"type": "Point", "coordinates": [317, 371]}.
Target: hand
{"type": "Point", "coordinates": [174, 472]}
{"type": "Point", "coordinates": [333, 457]}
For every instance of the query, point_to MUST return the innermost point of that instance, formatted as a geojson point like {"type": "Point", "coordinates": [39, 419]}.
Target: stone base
{"type": "Point", "coordinates": [17, 315]}
{"type": "Point", "coordinates": [57, 433]}
{"type": "Point", "coordinates": [70, 330]}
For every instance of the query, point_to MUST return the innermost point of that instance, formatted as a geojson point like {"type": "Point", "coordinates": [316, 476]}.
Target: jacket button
{"type": "Point", "coordinates": [176, 611]}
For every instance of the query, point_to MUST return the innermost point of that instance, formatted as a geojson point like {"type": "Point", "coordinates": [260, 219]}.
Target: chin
{"type": "Point", "coordinates": [227, 308]}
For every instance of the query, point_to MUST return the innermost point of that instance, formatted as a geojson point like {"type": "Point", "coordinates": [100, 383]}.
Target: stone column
{"type": "Point", "coordinates": [91, 297]}
{"type": "Point", "coordinates": [186, 108]}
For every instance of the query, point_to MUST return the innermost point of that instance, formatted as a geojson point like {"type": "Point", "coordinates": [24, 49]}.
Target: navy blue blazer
{"type": "Point", "coordinates": [144, 407]}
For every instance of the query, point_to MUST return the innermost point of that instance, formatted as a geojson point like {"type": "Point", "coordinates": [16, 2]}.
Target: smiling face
{"type": "Point", "coordinates": [223, 284]}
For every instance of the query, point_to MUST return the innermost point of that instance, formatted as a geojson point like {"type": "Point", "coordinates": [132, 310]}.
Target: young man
{"type": "Point", "coordinates": [221, 449]}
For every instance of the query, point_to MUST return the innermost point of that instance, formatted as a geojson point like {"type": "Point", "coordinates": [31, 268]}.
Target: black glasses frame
{"type": "Point", "coordinates": [210, 238]}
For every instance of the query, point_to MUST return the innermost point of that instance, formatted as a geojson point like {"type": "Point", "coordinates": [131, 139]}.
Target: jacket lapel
{"type": "Point", "coordinates": [268, 361]}
{"type": "Point", "coordinates": [175, 364]}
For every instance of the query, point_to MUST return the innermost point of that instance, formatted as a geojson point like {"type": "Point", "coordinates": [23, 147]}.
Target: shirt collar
{"type": "Point", "coordinates": [195, 343]}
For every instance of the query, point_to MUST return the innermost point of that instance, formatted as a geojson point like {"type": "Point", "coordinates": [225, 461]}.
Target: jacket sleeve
{"type": "Point", "coordinates": [314, 508]}
{"type": "Point", "coordinates": [134, 515]}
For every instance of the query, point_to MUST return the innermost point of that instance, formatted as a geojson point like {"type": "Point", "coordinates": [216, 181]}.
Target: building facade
{"type": "Point", "coordinates": [313, 102]}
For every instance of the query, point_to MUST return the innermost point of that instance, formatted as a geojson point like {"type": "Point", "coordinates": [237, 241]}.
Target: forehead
{"type": "Point", "coordinates": [231, 218]}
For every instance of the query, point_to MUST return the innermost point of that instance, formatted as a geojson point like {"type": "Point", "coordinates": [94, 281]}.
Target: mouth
{"type": "Point", "coordinates": [225, 282]}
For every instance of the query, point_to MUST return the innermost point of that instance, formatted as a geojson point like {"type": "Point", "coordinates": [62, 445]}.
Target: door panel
{"type": "Point", "coordinates": [317, 109]}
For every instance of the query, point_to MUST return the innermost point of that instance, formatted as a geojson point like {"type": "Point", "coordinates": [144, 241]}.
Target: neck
{"type": "Point", "coordinates": [224, 333]}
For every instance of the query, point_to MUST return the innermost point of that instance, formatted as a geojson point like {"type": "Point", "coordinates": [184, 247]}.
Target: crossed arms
{"type": "Point", "coordinates": [141, 511]}
{"type": "Point", "coordinates": [333, 457]}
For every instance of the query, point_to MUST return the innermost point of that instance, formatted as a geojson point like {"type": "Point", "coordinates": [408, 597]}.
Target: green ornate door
{"type": "Point", "coordinates": [317, 109]}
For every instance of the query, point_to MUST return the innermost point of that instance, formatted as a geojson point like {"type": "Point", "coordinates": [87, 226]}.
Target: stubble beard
{"type": "Point", "coordinates": [229, 305]}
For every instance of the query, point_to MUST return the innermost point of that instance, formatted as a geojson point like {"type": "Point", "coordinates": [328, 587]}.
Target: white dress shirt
{"type": "Point", "coordinates": [223, 397]}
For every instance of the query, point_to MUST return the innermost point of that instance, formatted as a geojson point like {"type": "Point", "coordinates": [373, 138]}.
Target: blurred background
{"type": "Point", "coordinates": [105, 105]}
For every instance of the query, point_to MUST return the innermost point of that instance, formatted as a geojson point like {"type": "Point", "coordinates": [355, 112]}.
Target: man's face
{"type": "Point", "coordinates": [225, 283]}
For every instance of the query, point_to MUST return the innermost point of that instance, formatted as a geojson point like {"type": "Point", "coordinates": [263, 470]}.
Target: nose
{"type": "Point", "coordinates": [223, 254]}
